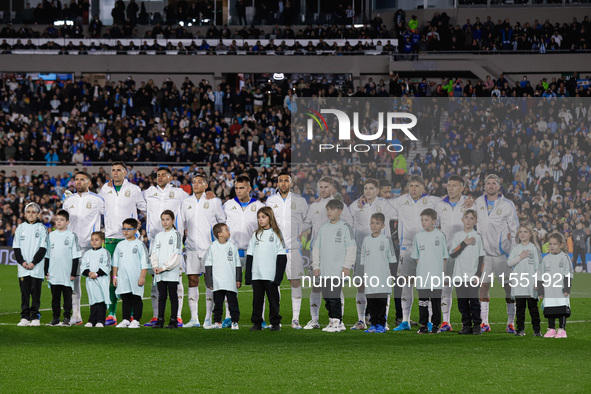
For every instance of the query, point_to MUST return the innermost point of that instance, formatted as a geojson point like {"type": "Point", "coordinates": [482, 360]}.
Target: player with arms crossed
{"type": "Point", "coordinates": [290, 211]}
{"type": "Point", "coordinates": [198, 215]}
{"type": "Point", "coordinates": [450, 211]}
{"type": "Point", "coordinates": [315, 218]}
{"type": "Point", "coordinates": [85, 209]}
{"type": "Point", "coordinates": [497, 223]}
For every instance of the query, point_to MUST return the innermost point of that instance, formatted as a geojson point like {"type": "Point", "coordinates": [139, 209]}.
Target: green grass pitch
{"type": "Point", "coordinates": [50, 359]}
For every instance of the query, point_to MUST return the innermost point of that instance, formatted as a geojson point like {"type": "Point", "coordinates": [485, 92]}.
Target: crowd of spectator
{"type": "Point", "coordinates": [539, 146]}
{"type": "Point", "coordinates": [414, 36]}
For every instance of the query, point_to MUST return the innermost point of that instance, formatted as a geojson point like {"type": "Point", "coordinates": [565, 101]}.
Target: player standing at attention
{"type": "Point", "coordinates": [198, 215]}
{"type": "Point", "coordinates": [467, 250]}
{"type": "Point", "coordinates": [315, 218]}
{"type": "Point", "coordinates": [378, 260]}
{"type": "Point", "coordinates": [429, 250]}
{"type": "Point", "coordinates": [362, 211]}
{"type": "Point", "coordinates": [408, 208]}
{"type": "Point", "coordinates": [333, 256]}
{"type": "Point", "coordinates": [85, 209]}
{"type": "Point", "coordinates": [160, 198]}
{"type": "Point", "coordinates": [30, 245]}
{"type": "Point", "coordinates": [122, 199]}
{"type": "Point", "coordinates": [241, 218]}
{"type": "Point", "coordinates": [497, 223]}
{"type": "Point", "coordinates": [450, 211]}
{"type": "Point", "coordinates": [290, 211]}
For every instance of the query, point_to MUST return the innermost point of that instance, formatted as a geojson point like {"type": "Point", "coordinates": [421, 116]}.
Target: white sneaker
{"type": "Point", "coordinates": [192, 323]}
{"type": "Point", "coordinates": [99, 325]}
{"type": "Point", "coordinates": [333, 326]}
{"type": "Point", "coordinates": [75, 321]}
{"type": "Point", "coordinates": [89, 324]}
{"type": "Point", "coordinates": [134, 324]}
{"type": "Point", "coordinates": [312, 324]}
{"type": "Point", "coordinates": [207, 324]}
{"type": "Point", "coordinates": [35, 323]}
{"type": "Point", "coordinates": [340, 326]}
{"type": "Point", "coordinates": [24, 323]}
{"type": "Point", "coordinates": [360, 325]}
{"type": "Point", "coordinates": [295, 324]}
{"type": "Point", "coordinates": [235, 326]}
{"type": "Point", "coordinates": [124, 324]}
{"type": "Point", "coordinates": [330, 327]}
{"type": "Point", "coordinates": [216, 326]}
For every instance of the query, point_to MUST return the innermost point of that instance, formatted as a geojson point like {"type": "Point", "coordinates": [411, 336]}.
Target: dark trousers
{"type": "Point", "coordinates": [131, 303]}
{"type": "Point", "coordinates": [376, 306]}
{"type": "Point", "coordinates": [579, 252]}
{"type": "Point", "coordinates": [561, 322]}
{"type": "Point", "coordinates": [435, 297]}
{"type": "Point", "coordinates": [332, 302]}
{"type": "Point", "coordinates": [165, 290]}
{"type": "Point", "coordinates": [469, 304]}
{"type": "Point", "coordinates": [397, 296]}
{"type": "Point", "coordinates": [57, 291]}
{"type": "Point", "coordinates": [30, 297]}
{"type": "Point", "coordinates": [259, 289]}
{"type": "Point", "coordinates": [98, 313]}
{"type": "Point", "coordinates": [532, 305]}
{"type": "Point", "coordinates": [218, 302]}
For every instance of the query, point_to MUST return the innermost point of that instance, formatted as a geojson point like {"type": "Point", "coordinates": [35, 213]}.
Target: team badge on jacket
{"type": "Point", "coordinates": [128, 193]}
{"type": "Point", "coordinates": [88, 205]}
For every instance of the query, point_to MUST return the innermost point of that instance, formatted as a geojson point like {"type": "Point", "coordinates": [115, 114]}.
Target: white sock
{"type": "Point", "coordinates": [387, 308]}
{"type": "Point", "coordinates": [361, 304]}
{"type": "Point", "coordinates": [511, 313]}
{"type": "Point", "coordinates": [228, 309]}
{"type": "Point", "coordinates": [180, 292]}
{"type": "Point", "coordinates": [194, 303]}
{"type": "Point", "coordinates": [446, 301]}
{"type": "Point", "coordinates": [342, 304]}
{"type": "Point", "coordinates": [315, 299]}
{"type": "Point", "coordinates": [484, 311]}
{"type": "Point", "coordinates": [406, 299]}
{"type": "Point", "coordinates": [208, 303]}
{"type": "Point", "coordinates": [296, 302]}
{"type": "Point", "coordinates": [154, 296]}
{"type": "Point", "coordinates": [76, 297]}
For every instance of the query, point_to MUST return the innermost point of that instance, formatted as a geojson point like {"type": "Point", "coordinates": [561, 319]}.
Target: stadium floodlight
{"type": "Point", "coordinates": [278, 76]}
{"type": "Point", "coordinates": [182, 24]}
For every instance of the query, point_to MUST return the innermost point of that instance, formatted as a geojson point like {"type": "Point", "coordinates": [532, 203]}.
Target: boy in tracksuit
{"type": "Point", "coordinates": [61, 267]}
{"type": "Point", "coordinates": [467, 250]}
{"type": "Point", "coordinates": [29, 245]}
{"type": "Point", "coordinates": [334, 254]}
{"type": "Point", "coordinates": [378, 260]}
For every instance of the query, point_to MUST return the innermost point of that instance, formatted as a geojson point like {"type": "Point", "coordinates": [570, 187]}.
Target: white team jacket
{"type": "Point", "coordinates": [199, 217]}
{"type": "Point", "coordinates": [290, 214]}
{"type": "Point", "coordinates": [495, 227]}
{"type": "Point", "coordinates": [450, 218]}
{"type": "Point", "coordinates": [85, 215]}
{"type": "Point", "coordinates": [157, 201]}
{"type": "Point", "coordinates": [408, 214]}
{"type": "Point", "coordinates": [120, 206]}
{"type": "Point", "coordinates": [242, 222]}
